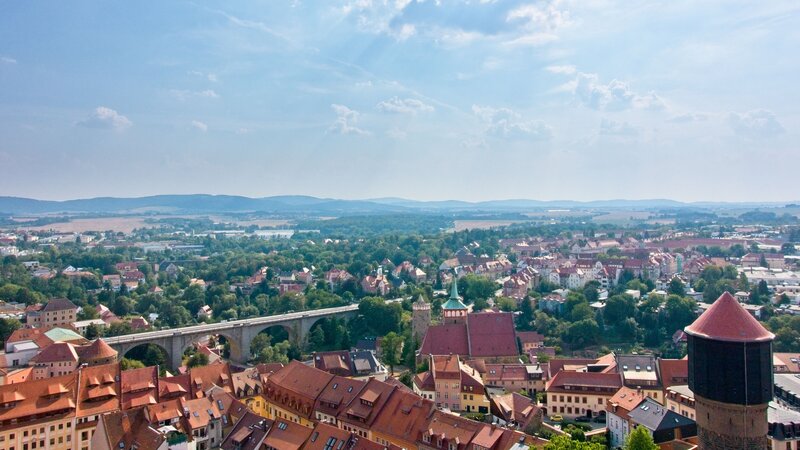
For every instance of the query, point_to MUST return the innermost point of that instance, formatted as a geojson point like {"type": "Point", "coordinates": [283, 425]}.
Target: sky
{"type": "Point", "coordinates": [430, 100]}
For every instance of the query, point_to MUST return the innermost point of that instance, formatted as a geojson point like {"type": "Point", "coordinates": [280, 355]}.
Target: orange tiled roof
{"type": "Point", "coordinates": [38, 398]}
{"type": "Point", "coordinates": [99, 390]}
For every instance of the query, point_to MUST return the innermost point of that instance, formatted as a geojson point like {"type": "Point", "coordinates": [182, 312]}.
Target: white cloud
{"type": "Point", "coordinates": [396, 133]}
{"type": "Point", "coordinates": [183, 95]}
{"type": "Point", "coordinates": [403, 106]}
{"type": "Point", "coordinates": [614, 96]}
{"type": "Point", "coordinates": [565, 69]}
{"type": "Point", "coordinates": [405, 31]}
{"type": "Point", "coordinates": [758, 123]}
{"type": "Point", "coordinates": [197, 125]}
{"type": "Point", "coordinates": [106, 119]}
{"type": "Point", "coordinates": [506, 123]}
{"type": "Point", "coordinates": [613, 128]}
{"type": "Point", "coordinates": [541, 20]}
{"type": "Point", "coordinates": [209, 76]}
{"type": "Point", "coordinates": [532, 40]}
{"type": "Point", "coordinates": [688, 117]}
{"type": "Point", "coordinates": [346, 120]}
{"type": "Point", "coordinates": [7, 60]}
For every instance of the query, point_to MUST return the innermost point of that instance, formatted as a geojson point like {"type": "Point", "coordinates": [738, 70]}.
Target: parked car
{"type": "Point", "coordinates": [556, 418]}
{"type": "Point", "coordinates": [583, 419]}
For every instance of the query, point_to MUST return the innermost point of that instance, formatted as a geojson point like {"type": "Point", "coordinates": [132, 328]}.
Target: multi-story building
{"type": "Point", "coordinates": [680, 398]}
{"type": "Point", "coordinates": [291, 392]}
{"type": "Point", "coordinates": [617, 409]}
{"type": "Point", "coordinates": [530, 378]}
{"type": "Point", "coordinates": [574, 394]}
{"type": "Point", "coordinates": [57, 312]}
{"type": "Point", "coordinates": [39, 414]}
{"type": "Point", "coordinates": [98, 394]}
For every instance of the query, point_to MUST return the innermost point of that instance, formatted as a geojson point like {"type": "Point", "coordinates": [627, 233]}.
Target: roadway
{"type": "Point", "coordinates": [213, 328]}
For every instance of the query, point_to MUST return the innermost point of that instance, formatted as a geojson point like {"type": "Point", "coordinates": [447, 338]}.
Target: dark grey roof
{"type": "Point", "coordinates": [655, 417]}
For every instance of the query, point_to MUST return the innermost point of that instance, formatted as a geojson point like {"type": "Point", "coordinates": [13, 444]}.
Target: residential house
{"type": "Point", "coordinates": [617, 409]}
{"type": "Point", "coordinates": [663, 424]}
{"type": "Point", "coordinates": [359, 415]}
{"type": "Point", "coordinates": [292, 391]}
{"type": "Point", "coordinates": [517, 410]}
{"type": "Point", "coordinates": [39, 412]}
{"type": "Point", "coordinates": [574, 394]}
{"type": "Point", "coordinates": [401, 420]}
{"type": "Point", "coordinates": [641, 372]}
{"type": "Point", "coordinates": [530, 341]}
{"type": "Point", "coordinates": [56, 312]}
{"type": "Point", "coordinates": [336, 277]}
{"type": "Point", "coordinates": [335, 396]}
{"type": "Point", "coordinates": [680, 398]}
{"type": "Point", "coordinates": [516, 377]}
{"type": "Point", "coordinates": [98, 394]}
{"type": "Point", "coordinates": [139, 387]}
{"type": "Point", "coordinates": [56, 359]}
{"type": "Point", "coordinates": [127, 429]}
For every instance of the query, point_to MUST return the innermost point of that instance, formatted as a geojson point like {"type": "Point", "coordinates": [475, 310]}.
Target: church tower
{"type": "Point", "coordinates": [730, 373]}
{"type": "Point", "coordinates": [420, 318]}
{"type": "Point", "coordinates": [454, 311]}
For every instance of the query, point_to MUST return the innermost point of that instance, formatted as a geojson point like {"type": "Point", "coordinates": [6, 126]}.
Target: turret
{"type": "Point", "coordinates": [730, 373]}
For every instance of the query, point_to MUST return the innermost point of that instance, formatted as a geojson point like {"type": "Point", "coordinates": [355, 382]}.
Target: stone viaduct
{"type": "Point", "coordinates": [239, 333]}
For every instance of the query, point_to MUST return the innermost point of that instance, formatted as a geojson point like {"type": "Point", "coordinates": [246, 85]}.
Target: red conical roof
{"type": "Point", "coordinates": [727, 320]}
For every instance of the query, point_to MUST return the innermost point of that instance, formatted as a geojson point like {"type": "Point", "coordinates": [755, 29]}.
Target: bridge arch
{"type": "Point", "coordinates": [149, 353]}
{"type": "Point", "coordinates": [236, 351]}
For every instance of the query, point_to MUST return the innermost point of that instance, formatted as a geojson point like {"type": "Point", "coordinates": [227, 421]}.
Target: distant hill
{"type": "Point", "coordinates": [297, 204]}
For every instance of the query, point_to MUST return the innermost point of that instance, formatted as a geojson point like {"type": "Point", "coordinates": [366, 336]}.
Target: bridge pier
{"type": "Point", "coordinates": [239, 333]}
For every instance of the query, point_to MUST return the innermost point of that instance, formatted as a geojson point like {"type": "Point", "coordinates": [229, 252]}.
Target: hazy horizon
{"type": "Point", "coordinates": [359, 99]}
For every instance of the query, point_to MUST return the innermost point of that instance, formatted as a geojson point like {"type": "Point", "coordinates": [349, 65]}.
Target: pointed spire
{"type": "Point", "coordinates": [454, 288]}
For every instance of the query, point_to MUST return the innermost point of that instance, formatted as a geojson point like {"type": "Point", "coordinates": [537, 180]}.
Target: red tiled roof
{"type": "Point", "coordinates": [58, 352]}
{"type": "Point", "coordinates": [573, 380]}
{"type": "Point", "coordinates": [99, 390]}
{"type": "Point", "coordinates": [492, 334]}
{"type": "Point", "coordinates": [404, 416]}
{"type": "Point", "coordinates": [97, 350]}
{"type": "Point", "coordinates": [446, 339]}
{"type": "Point", "coordinates": [624, 401]}
{"type": "Point", "coordinates": [673, 371]}
{"type": "Point", "coordinates": [727, 320]}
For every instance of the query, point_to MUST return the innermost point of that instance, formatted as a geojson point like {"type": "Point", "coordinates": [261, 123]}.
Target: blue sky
{"type": "Point", "coordinates": [471, 100]}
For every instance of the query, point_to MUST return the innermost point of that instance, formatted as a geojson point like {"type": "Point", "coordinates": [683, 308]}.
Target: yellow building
{"type": "Point", "coordinates": [39, 414]}
{"type": "Point", "coordinates": [248, 387]}
{"type": "Point", "coordinates": [681, 400]}
{"type": "Point", "coordinates": [574, 394]}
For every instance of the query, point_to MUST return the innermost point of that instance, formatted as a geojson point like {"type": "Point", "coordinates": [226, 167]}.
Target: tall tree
{"type": "Point", "coordinates": [390, 350]}
{"type": "Point", "coordinates": [640, 439]}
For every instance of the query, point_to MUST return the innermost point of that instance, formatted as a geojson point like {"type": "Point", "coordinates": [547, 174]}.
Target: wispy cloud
{"type": "Point", "coordinates": [182, 94]}
{"type": "Point", "coordinates": [105, 118]}
{"type": "Point", "coordinates": [506, 123]}
{"type": "Point", "coordinates": [688, 117]}
{"type": "Point", "coordinates": [758, 123]}
{"type": "Point", "coordinates": [404, 106]}
{"type": "Point", "coordinates": [346, 120]}
{"type": "Point", "coordinates": [7, 60]}
{"type": "Point", "coordinates": [615, 96]}
{"type": "Point", "coordinates": [611, 127]}
{"type": "Point", "coordinates": [564, 69]}
{"type": "Point", "coordinates": [208, 76]}
{"type": "Point", "coordinates": [200, 126]}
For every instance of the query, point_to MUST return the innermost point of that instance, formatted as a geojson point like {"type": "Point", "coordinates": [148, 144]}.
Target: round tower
{"type": "Point", "coordinates": [420, 318]}
{"type": "Point", "coordinates": [730, 373]}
